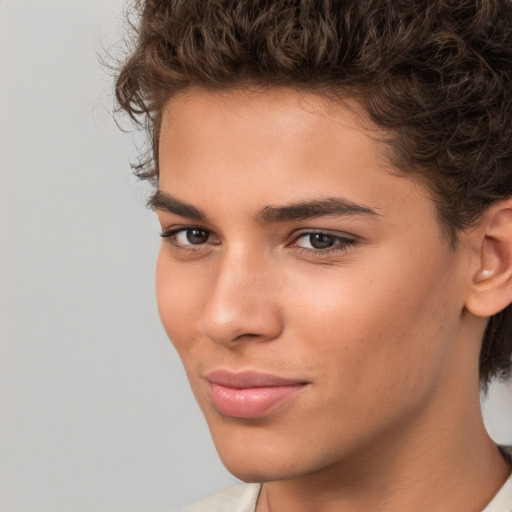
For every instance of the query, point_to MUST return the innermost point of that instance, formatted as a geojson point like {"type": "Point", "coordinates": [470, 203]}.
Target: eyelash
{"type": "Point", "coordinates": [340, 243]}
{"type": "Point", "coordinates": [170, 235]}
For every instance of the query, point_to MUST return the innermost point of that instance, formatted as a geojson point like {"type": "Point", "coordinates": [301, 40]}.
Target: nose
{"type": "Point", "coordinates": [243, 303]}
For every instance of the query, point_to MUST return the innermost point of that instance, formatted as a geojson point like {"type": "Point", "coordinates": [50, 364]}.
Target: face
{"type": "Point", "coordinates": [305, 285]}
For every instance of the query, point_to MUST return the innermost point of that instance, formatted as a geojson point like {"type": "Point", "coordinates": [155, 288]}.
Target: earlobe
{"type": "Point", "coordinates": [491, 287]}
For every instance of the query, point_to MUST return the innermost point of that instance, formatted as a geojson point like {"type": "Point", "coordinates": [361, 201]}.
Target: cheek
{"type": "Point", "coordinates": [382, 323]}
{"type": "Point", "coordinates": [177, 299]}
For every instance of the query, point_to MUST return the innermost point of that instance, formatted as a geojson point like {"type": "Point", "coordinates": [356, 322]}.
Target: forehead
{"type": "Point", "coordinates": [264, 127]}
{"type": "Point", "coordinates": [248, 149]}
{"type": "Point", "coordinates": [267, 112]}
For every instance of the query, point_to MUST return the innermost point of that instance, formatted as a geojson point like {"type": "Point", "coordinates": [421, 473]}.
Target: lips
{"type": "Point", "coordinates": [250, 394]}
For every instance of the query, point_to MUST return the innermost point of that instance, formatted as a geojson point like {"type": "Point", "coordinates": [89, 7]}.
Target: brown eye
{"type": "Point", "coordinates": [321, 240]}
{"type": "Point", "coordinates": [196, 236]}
{"type": "Point", "coordinates": [183, 237]}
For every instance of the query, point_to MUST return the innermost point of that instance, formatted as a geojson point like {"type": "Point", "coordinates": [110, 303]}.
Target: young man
{"type": "Point", "coordinates": [334, 186]}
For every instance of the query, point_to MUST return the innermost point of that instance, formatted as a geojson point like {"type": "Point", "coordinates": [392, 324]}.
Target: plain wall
{"type": "Point", "coordinates": [96, 413]}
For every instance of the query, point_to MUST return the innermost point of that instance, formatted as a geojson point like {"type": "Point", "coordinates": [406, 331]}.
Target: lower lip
{"type": "Point", "coordinates": [251, 402]}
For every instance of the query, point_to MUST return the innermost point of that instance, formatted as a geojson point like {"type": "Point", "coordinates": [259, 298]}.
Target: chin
{"type": "Point", "coordinates": [258, 470]}
{"type": "Point", "coordinates": [251, 475]}
{"type": "Point", "coordinates": [250, 461]}
{"type": "Point", "coordinates": [262, 460]}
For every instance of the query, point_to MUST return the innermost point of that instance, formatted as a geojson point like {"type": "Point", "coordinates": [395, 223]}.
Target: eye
{"type": "Point", "coordinates": [318, 240]}
{"type": "Point", "coordinates": [322, 242]}
{"type": "Point", "coordinates": [192, 236]}
{"type": "Point", "coordinates": [188, 236]}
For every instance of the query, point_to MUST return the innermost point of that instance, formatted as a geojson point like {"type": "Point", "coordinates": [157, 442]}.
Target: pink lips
{"type": "Point", "coordinates": [249, 394]}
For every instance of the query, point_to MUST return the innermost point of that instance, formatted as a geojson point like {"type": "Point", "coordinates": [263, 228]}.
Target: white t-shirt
{"type": "Point", "coordinates": [243, 498]}
{"type": "Point", "coordinates": [238, 498]}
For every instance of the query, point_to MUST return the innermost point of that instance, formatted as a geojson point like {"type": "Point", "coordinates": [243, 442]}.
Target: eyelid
{"type": "Point", "coordinates": [335, 234]}
{"type": "Point", "coordinates": [343, 241]}
{"type": "Point", "coordinates": [166, 232]}
{"type": "Point", "coordinates": [171, 232]}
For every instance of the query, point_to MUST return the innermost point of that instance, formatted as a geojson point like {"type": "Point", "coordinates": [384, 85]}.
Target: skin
{"type": "Point", "coordinates": [376, 324]}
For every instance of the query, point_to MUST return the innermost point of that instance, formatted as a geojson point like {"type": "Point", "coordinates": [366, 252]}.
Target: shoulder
{"type": "Point", "coordinates": [239, 498]}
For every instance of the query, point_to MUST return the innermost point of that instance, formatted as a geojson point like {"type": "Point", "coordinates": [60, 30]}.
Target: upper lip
{"type": "Point", "coordinates": [248, 379]}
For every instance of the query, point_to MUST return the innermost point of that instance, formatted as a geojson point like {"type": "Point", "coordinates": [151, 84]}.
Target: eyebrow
{"type": "Point", "coordinates": [302, 210]}
{"type": "Point", "coordinates": [167, 203]}
{"type": "Point", "coordinates": [310, 209]}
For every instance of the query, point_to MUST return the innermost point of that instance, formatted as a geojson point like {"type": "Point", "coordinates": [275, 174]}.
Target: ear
{"type": "Point", "coordinates": [491, 287]}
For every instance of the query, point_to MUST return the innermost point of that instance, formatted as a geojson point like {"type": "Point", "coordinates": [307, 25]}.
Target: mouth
{"type": "Point", "coordinates": [250, 394]}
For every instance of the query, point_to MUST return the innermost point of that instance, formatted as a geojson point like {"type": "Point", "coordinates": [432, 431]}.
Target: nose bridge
{"type": "Point", "coordinates": [242, 301]}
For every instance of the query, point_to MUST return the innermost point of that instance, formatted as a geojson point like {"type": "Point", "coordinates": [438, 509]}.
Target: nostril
{"type": "Point", "coordinates": [261, 325]}
{"type": "Point", "coordinates": [248, 335]}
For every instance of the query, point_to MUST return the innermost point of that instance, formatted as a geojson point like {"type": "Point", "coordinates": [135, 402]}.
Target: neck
{"type": "Point", "coordinates": [425, 461]}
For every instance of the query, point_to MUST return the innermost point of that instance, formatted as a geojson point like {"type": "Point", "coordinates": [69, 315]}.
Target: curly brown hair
{"type": "Point", "coordinates": [435, 74]}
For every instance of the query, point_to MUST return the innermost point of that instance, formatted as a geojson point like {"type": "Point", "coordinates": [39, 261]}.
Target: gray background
{"type": "Point", "coordinates": [96, 413]}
